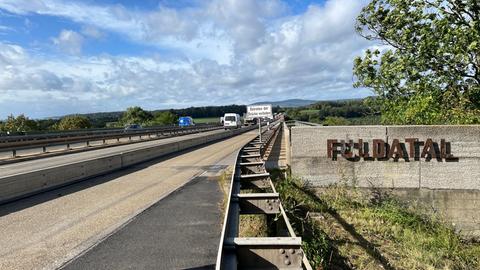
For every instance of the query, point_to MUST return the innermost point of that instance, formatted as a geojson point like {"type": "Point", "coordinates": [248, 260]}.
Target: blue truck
{"type": "Point", "coordinates": [185, 121]}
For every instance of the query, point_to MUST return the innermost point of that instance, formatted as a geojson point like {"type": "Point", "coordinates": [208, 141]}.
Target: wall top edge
{"type": "Point", "coordinates": [388, 126]}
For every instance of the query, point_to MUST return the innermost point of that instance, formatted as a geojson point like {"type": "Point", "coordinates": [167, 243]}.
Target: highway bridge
{"type": "Point", "coordinates": [147, 199]}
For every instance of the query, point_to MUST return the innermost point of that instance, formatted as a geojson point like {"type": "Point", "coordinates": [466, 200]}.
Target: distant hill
{"type": "Point", "coordinates": [289, 103]}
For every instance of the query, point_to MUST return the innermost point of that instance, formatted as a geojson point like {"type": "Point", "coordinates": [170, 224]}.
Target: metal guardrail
{"type": "Point", "coordinates": [79, 133]}
{"type": "Point", "coordinates": [15, 144]}
{"type": "Point", "coordinates": [301, 123]}
{"type": "Point", "coordinates": [282, 249]}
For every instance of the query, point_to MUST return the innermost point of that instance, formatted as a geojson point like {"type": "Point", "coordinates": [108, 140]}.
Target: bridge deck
{"type": "Point", "coordinates": [47, 230]}
{"type": "Point", "coordinates": [181, 231]}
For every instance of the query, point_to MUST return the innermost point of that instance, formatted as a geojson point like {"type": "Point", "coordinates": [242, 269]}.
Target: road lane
{"type": "Point", "coordinates": [45, 231]}
{"type": "Point", "coordinates": [47, 162]}
{"type": "Point", "coordinates": [181, 231]}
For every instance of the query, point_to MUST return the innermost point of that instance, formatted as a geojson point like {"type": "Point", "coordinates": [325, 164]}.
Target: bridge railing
{"type": "Point", "coordinates": [44, 142]}
{"type": "Point", "coordinates": [301, 123]}
{"type": "Point", "coordinates": [4, 138]}
{"type": "Point", "coordinates": [253, 193]}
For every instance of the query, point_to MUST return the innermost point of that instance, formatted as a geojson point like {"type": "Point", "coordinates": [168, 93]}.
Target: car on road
{"type": "Point", "coordinates": [132, 127]}
{"type": "Point", "coordinates": [231, 120]}
{"type": "Point", "coordinates": [186, 121]}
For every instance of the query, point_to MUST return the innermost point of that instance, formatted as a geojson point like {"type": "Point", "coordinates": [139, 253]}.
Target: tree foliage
{"type": "Point", "coordinates": [136, 115]}
{"type": "Point", "coordinates": [46, 124]}
{"type": "Point", "coordinates": [19, 124]}
{"type": "Point", "coordinates": [429, 70]}
{"type": "Point", "coordinates": [211, 111]}
{"type": "Point", "coordinates": [336, 109]}
{"type": "Point", "coordinates": [335, 121]}
{"type": "Point", "coordinates": [164, 118]}
{"type": "Point", "coordinates": [73, 122]}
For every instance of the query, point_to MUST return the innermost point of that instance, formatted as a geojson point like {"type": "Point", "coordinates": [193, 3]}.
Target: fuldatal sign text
{"type": "Point", "coordinates": [410, 149]}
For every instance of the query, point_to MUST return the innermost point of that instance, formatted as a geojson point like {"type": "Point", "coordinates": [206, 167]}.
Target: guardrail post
{"type": "Point", "coordinates": [88, 143]}
{"type": "Point", "coordinates": [68, 146]}
{"type": "Point", "coordinates": [14, 153]}
{"type": "Point", "coordinates": [44, 149]}
{"type": "Point", "coordinates": [259, 129]}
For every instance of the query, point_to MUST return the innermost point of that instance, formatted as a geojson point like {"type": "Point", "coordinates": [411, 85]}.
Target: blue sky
{"type": "Point", "coordinates": [60, 57]}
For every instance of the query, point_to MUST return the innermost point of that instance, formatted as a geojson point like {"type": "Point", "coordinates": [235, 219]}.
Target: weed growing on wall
{"type": "Point", "coordinates": [298, 205]}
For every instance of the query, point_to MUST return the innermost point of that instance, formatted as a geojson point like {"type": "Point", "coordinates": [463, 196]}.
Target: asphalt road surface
{"type": "Point", "coordinates": [50, 229]}
{"type": "Point", "coordinates": [181, 231]}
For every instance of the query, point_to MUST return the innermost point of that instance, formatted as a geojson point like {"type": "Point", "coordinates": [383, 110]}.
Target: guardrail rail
{"type": "Point", "coordinates": [301, 123]}
{"type": "Point", "coordinates": [252, 192]}
{"type": "Point", "coordinates": [16, 143]}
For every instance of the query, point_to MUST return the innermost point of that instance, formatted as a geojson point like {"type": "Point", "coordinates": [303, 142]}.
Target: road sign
{"type": "Point", "coordinates": [259, 111]}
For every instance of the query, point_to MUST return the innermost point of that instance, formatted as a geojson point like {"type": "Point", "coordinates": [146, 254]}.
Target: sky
{"type": "Point", "coordinates": [62, 57]}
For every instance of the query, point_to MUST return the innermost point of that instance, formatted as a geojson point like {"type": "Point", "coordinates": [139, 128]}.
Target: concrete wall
{"type": "Point", "coordinates": [309, 157]}
{"type": "Point", "coordinates": [21, 185]}
{"type": "Point", "coordinates": [452, 187]}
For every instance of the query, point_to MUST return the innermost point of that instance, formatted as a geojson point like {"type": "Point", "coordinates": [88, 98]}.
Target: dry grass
{"type": "Point", "coordinates": [354, 232]}
{"type": "Point", "coordinates": [253, 226]}
{"type": "Point", "coordinates": [388, 234]}
{"type": "Point", "coordinates": [250, 225]}
{"type": "Point", "coordinates": [224, 184]}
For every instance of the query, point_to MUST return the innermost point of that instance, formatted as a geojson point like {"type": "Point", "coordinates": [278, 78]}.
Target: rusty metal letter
{"type": "Point", "coordinates": [378, 148]}
{"type": "Point", "coordinates": [411, 143]}
{"type": "Point", "coordinates": [395, 149]}
{"type": "Point", "coordinates": [428, 149]}
{"type": "Point", "coordinates": [330, 147]}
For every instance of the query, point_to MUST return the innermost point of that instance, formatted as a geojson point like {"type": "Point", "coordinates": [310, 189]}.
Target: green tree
{"type": "Point", "coordinates": [136, 115]}
{"type": "Point", "coordinates": [47, 124]}
{"type": "Point", "coordinates": [429, 72]}
{"type": "Point", "coordinates": [21, 123]}
{"type": "Point", "coordinates": [164, 118]}
{"type": "Point", "coordinates": [73, 122]}
{"type": "Point", "coordinates": [335, 121]}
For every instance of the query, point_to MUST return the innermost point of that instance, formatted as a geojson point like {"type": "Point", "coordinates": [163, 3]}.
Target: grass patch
{"type": "Point", "coordinates": [224, 183]}
{"type": "Point", "coordinates": [207, 120]}
{"type": "Point", "coordinates": [253, 226]}
{"type": "Point", "coordinates": [298, 206]}
{"type": "Point", "coordinates": [250, 225]}
{"type": "Point", "coordinates": [343, 228]}
{"type": "Point", "coordinates": [310, 111]}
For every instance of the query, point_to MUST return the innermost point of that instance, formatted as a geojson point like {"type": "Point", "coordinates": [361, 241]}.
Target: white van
{"type": "Point", "coordinates": [231, 120]}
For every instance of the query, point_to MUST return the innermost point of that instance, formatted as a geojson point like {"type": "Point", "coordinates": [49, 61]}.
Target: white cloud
{"type": "Point", "coordinates": [229, 51]}
{"type": "Point", "coordinates": [69, 41]}
{"type": "Point", "coordinates": [244, 20]}
{"type": "Point", "coordinates": [4, 29]}
{"type": "Point", "coordinates": [92, 32]}
{"type": "Point", "coordinates": [166, 27]}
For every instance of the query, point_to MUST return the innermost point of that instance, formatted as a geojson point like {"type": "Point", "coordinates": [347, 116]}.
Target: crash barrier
{"type": "Point", "coordinates": [44, 142]}
{"type": "Point", "coordinates": [16, 186]}
{"type": "Point", "coordinates": [253, 193]}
